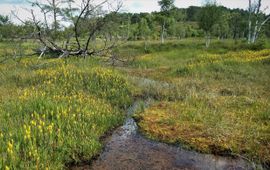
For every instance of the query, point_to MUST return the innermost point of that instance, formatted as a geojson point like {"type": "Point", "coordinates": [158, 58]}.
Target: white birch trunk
{"type": "Point", "coordinates": [254, 36]}
{"type": "Point", "coordinates": [249, 31]}
{"type": "Point", "coordinates": [207, 40]}
{"type": "Point", "coordinates": [163, 32]}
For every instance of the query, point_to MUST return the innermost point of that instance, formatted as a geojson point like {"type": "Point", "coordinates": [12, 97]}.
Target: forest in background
{"type": "Point", "coordinates": [180, 23]}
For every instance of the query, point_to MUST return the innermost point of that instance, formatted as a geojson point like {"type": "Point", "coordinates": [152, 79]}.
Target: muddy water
{"type": "Point", "coordinates": [126, 149]}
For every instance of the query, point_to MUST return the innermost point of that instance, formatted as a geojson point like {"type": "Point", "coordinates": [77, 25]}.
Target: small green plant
{"type": "Point", "coordinates": [184, 71]}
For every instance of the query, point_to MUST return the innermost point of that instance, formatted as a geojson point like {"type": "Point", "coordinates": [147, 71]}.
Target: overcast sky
{"type": "Point", "coordinates": [132, 5]}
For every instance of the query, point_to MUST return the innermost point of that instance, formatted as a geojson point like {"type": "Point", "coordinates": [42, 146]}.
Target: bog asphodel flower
{"type": "Point", "coordinates": [40, 128]}
{"type": "Point", "coordinates": [50, 128]}
{"type": "Point", "coordinates": [33, 123]}
{"type": "Point", "coordinates": [10, 147]}
{"type": "Point", "coordinates": [27, 130]}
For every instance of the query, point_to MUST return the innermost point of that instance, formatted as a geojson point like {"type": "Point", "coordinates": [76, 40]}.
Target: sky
{"type": "Point", "coordinates": [134, 6]}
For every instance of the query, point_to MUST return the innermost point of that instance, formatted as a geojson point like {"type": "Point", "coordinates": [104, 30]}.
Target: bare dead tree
{"type": "Point", "coordinates": [259, 21]}
{"type": "Point", "coordinates": [89, 21]}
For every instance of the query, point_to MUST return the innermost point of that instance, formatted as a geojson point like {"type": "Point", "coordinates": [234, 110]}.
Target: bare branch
{"type": "Point", "coordinates": [17, 17]}
{"type": "Point", "coordinates": [77, 22]}
{"type": "Point", "coordinates": [38, 29]}
{"type": "Point", "coordinates": [263, 23]}
{"type": "Point", "coordinates": [44, 15]}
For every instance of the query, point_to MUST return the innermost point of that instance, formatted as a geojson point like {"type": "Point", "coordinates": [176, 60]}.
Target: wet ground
{"type": "Point", "coordinates": [126, 149]}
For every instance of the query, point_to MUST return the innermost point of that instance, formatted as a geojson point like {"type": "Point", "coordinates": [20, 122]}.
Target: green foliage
{"type": "Point", "coordinates": [143, 29]}
{"type": "Point", "coordinates": [4, 20]}
{"type": "Point", "coordinates": [183, 71]}
{"type": "Point", "coordinates": [237, 23]}
{"type": "Point", "coordinates": [222, 29]}
{"type": "Point", "coordinates": [209, 16]}
{"type": "Point", "coordinates": [166, 5]}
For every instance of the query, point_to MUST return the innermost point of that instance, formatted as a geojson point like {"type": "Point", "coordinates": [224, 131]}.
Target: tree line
{"type": "Point", "coordinates": [209, 21]}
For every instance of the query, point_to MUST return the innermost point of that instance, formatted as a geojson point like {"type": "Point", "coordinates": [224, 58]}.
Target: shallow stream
{"type": "Point", "coordinates": [127, 149]}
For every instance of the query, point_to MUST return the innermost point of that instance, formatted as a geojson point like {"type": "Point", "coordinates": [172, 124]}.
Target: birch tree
{"type": "Point", "coordinates": [165, 6]}
{"type": "Point", "coordinates": [256, 20]}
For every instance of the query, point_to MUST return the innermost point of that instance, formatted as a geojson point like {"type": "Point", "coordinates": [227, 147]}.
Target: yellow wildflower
{"type": "Point", "coordinates": [10, 147]}
{"type": "Point", "coordinates": [40, 128]}
{"type": "Point", "coordinates": [27, 130]}
{"type": "Point", "coordinates": [50, 128]}
{"type": "Point", "coordinates": [33, 123]}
